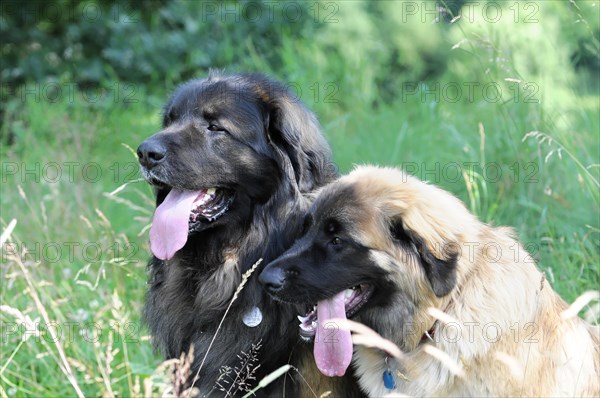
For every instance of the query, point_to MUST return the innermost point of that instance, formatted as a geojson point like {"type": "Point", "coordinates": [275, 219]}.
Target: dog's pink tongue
{"type": "Point", "coordinates": [169, 230]}
{"type": "Point", "coordinates": [333, 345]}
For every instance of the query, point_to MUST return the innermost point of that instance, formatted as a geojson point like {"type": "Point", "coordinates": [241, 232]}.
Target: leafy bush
{"type": "Point", "coordinates": [377, 45]}
{"type": "Point", "coordinates": [154, 42]}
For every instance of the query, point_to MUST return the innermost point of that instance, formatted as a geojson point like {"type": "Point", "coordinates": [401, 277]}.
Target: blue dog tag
{"type": "Point", "coordinates": [388, 380]}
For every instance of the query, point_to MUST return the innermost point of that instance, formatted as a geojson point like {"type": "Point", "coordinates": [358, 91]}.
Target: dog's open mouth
{"type": "Point", "coordinates": [184, 212]}
{"type": "Point", "coordinates": [332, 344]}
{"type": "Point", "coordinates": [354, 299]}
{"type": "Point", "coordinates": [209, 205]}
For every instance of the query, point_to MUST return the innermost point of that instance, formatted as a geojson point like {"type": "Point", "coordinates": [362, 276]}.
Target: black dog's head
{"type": "Point", "coordinates": [228, 143]}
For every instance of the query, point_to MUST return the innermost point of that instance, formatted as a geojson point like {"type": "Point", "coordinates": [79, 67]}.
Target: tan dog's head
{"type": "Point", "coordinates": [382, 241]}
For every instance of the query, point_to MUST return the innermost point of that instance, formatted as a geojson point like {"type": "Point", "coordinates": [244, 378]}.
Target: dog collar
{"type": "Point", "coordinates": [389, 379]}
{"type": "Point", "coordinates": [389, 376]}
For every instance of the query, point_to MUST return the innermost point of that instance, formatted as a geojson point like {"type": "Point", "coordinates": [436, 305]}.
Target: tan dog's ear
{"type": "Point", "coordinates": [427, 219]}
{"type": "Point", "coordinates": [438, 261]}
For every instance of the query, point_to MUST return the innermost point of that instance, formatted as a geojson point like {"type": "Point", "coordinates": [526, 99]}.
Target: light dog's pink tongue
{"type": "Point", "coordinates": [169, 230]}
{"type": "Point", "coordinates": [333, 345]}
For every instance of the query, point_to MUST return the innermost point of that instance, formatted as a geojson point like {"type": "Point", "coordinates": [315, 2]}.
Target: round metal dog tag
{"type": "Point", "coordinates": [252, 317]}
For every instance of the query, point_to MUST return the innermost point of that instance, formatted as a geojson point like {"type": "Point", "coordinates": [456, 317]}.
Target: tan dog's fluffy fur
{"type": "Point", "coordinates": [513, 340]}
{"type": "Point", "coordinates": [503, 329]}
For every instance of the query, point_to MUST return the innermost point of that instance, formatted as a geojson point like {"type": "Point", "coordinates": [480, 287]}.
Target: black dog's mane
{"type": "Point", "coordinates": [188, 295]}
{"type": "Point", "coordinates": [188, 318]}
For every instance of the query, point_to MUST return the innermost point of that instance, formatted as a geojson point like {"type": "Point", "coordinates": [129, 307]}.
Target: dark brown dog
{"type": "Point", "coordinates": [231, 166]}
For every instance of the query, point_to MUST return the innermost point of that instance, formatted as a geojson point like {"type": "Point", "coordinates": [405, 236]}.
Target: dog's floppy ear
{"type": "Point", "coordinates": [438, 258]}
{"type": "Point", "coordinates": [421, 218]}
{"type": "Point", "coordinates": [296, 133]}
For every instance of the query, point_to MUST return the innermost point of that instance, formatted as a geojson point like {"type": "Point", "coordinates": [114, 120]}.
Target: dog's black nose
{"type": "Point", "coordinates": [151, 152]}
{"type": "Point", "coordinates": [272, 278]}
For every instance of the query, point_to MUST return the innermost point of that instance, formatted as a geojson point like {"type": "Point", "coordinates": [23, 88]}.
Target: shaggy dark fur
{"type": "Point", "coordinates": [250, 137]}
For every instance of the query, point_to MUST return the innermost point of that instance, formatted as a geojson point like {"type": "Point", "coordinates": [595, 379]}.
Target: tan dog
{"type": "Point", "coordinates": [462, 299]}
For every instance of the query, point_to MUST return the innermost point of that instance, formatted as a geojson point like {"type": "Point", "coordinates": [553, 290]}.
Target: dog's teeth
{"type": "Point", "coordinates": [201, 202]}
{"type": "Point", "coordinates": [305, 328]}
{"type": "Point", "coordinates": [348, 293]}
{"type": "Point", "coordinates": [211, 191]}
{"type": "Point", "coordinates": [303, 318]}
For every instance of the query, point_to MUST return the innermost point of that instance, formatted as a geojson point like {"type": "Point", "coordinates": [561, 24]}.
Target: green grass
{"type": "Point", "coordinates": [87, 257]}
{"type": "Point", "coordinates": [547, 190]}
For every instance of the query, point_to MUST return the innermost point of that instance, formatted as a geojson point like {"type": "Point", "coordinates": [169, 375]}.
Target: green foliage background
{"type": "Point", "coordinates": [82, 84]}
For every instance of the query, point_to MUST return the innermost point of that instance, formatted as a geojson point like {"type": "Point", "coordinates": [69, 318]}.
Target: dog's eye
{"type": "Point", "coordinates": [336, 241]}
{"type": "Point", "coordinates": [214, 127]}
{"type": "Point", "coordinates": [332, 227]}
